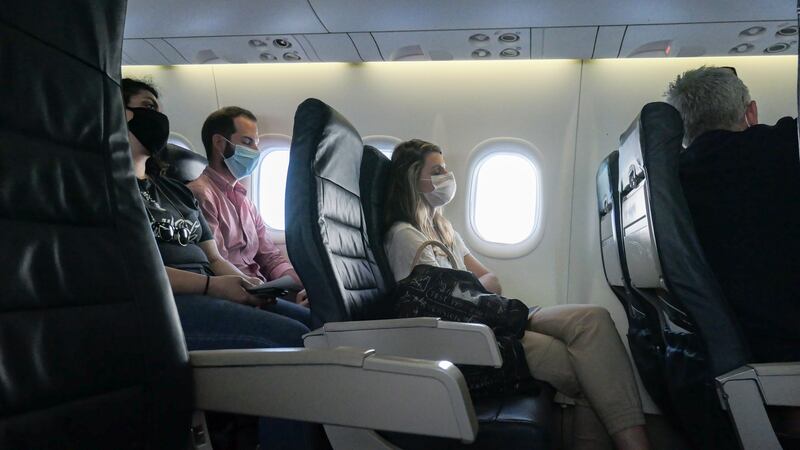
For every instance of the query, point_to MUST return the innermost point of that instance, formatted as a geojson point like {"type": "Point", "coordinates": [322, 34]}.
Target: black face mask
{"type": "Point", "coordinates": [150, 127]}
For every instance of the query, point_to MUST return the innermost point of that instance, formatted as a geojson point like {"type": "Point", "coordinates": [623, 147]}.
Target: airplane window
{"type": "Point", "coordinates": [504, 198]}
{"type": "Point", "coordinates": [269, 182]}
{"type": "Point", "coordinates": [385, 144]}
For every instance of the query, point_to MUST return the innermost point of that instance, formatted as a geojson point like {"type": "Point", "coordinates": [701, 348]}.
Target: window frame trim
{"type": "Point", "coordinates": [269, 143]}
{"type": "Point", "coordinates": [381, 137]}
{"type": "Point", "coordinates": [478, 156]}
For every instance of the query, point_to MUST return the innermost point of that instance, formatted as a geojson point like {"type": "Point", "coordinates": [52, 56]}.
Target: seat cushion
{"type": "Point", "coordinates": [512, 421]}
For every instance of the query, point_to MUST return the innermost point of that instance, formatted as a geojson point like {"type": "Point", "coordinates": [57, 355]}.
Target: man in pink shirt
{"type": "Point", "coordinates": [230, 137]}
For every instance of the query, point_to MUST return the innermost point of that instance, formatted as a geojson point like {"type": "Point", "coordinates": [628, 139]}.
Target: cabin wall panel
{"type": "Point", "coordinates": [460, 104]}
{"type": "Point", "coordinates": [456, 105]}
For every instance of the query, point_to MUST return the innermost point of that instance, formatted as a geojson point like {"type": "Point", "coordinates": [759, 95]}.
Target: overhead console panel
{"type": "Point", "coordinates": [149, 52]}
{"type": "Point", "coordinates": [459, 45]}
{"type": "Point", "coordinates": [242, 49]}
{"type": "Point", "coordinates": [191, 18]}
{"type": "Point", "coordinates": [710, 39]}
{"type": "Point", "coordinates": [412, 15]}
{"type": "Point", "coordinates": [267, 31]}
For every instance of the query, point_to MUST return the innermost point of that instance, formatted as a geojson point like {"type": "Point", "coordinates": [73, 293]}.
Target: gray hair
{"type": "Point", "coordinates": [708, 98]}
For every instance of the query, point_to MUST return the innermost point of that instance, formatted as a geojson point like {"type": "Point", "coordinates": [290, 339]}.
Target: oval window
{"type": "Point", "coordinates": [270, 182]}
{"type": "Point", "coordinates": [504, 198]}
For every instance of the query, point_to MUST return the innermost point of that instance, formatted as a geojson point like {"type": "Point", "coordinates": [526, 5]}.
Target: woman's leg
{"type": "Point", "coordinates": [548, 360]}
{"type": "Point", "coordinates": [601, 366]}
{"type": "Point", "coordinates": [211, 323]}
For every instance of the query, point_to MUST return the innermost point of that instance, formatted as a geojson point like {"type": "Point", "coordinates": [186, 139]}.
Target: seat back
{"type": "Point", "coordinates": [668, 269]}
{"type": "Point", "coordinates": [644, 336]}
{"type": "Point", "coordinates": [608, 210]}
{"type": "Point", "coordinates": [91, 350]}
{"type": "Point", "coordinates": [326, 234]}
{"type": "Point", "coordinates": [183, 164]}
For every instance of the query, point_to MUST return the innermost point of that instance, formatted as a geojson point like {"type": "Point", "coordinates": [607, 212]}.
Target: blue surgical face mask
{"type": "Point", "coordinates": [243, 161]}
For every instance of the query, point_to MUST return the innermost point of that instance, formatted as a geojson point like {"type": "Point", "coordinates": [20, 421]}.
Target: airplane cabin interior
{"type": "Point", "coordinates": [554, 126]}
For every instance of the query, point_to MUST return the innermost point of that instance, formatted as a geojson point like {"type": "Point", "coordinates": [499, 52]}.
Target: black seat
{"type": "Point", "coordinates": [334, 238]}
{"type": "Point", "coordinates": [667, 268]}
{"type": "Point", "coordinates": [183, 164]}
{"type": "Point", "coordinates": [91, 351]}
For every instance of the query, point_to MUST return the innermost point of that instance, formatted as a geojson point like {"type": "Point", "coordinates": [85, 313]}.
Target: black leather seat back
{"type": "Point", "coordinates": [91, 351]}
{"type": "Point", "coordinates": [667, 267]}
{"type": "Point", "coordinates": [374, 181]}
{"type": "Point", "coordinates": [326, 235]}
{"type": "Point", "coordinates": [183, 164]}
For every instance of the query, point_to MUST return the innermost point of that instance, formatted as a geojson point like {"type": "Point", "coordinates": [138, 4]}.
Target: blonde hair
{"type": "Point", "coordinates": [404, 200]}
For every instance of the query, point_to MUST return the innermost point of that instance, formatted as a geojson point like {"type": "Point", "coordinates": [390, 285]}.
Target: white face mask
{"type": "Point", "coordinates": [444, 189]}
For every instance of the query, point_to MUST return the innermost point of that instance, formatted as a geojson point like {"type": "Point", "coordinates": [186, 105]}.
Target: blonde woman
{"type": "Point", "coordinates": [575, 348]}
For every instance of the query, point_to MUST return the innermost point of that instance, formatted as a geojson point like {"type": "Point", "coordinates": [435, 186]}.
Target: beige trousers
{"type": "Point", "coordinates": [576, 348]}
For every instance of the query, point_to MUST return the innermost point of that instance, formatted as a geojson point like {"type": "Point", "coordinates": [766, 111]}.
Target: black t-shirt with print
{"type": "Point", "coordinates": [169, 202]}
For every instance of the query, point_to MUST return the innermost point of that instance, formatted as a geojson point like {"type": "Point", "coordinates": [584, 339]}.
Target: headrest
{"type": "Point", "coordinates": [183, 164]}
{"type": "Point", "coordinates": [335, 144]}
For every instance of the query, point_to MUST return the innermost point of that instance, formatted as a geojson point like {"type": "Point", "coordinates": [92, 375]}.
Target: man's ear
{"type": "Point", "coordinates": [218, 142]}
{"type": "Point", "coordinates": [751, 113]}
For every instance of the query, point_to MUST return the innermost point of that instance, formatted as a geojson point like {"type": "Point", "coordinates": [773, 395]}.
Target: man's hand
{"type": "Point", "coordinates": [232, 288]}
{"type": "Point", "coordinates": [302, 298]}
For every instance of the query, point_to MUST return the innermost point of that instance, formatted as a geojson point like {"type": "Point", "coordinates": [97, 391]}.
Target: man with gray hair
{"type": "Point", "coordinates": [742, 184]}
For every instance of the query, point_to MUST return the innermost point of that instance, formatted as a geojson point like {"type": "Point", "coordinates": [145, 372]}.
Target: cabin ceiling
{"type": "Point", "coordinates": [242, 31]}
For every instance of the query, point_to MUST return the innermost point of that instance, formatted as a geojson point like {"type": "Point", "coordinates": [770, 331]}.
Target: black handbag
{"type": "Point", "coordinates": [458, 296]}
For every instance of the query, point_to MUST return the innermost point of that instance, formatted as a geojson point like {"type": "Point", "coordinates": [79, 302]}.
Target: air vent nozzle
{"type": "Point", "coordinates": [508, 37]}
{"type": "Point", "coordinates": [777, 47]}
{"type": "Point", "coordinates": [509, 53]}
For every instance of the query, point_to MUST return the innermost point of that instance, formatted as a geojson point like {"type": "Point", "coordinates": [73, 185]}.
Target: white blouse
{"type": "Point", "coordinates": [402, 242]}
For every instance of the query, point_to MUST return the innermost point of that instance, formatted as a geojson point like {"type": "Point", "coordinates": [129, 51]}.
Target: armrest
{"type": "Point", "coordinates": [344, 387]}
{"type": "Point", "coordinates": [423, 338]}
{"type": "Point", "coordinates": [779, 383]}
{"type": "Point", "coordinates": [744, 392]}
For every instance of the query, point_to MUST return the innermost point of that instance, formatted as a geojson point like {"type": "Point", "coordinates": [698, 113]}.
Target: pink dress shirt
{"type": "Point", "coordinates": [237, 226]}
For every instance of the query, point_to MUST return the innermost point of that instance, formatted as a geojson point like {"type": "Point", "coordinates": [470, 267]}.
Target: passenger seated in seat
{"type": "Point", "coordinates": [742, 184]}
{"type": "Point", "coordinates": [230, 137]}
{"type": "Point", "coordinates": [216, 311]}
{"type": "Point", "coordinates": [575, 348]}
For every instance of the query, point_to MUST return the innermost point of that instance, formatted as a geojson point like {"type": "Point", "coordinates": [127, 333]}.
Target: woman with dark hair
{"type": "Point", "coordinates": [215, 309]}
{"type": "Point", "coordinates": [575, 348]}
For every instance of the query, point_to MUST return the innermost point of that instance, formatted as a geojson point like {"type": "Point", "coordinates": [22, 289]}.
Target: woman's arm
{"type": "Point", "coordinates": [487, 279]}
{"type": "Point", "coordinates": [227, 287]}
